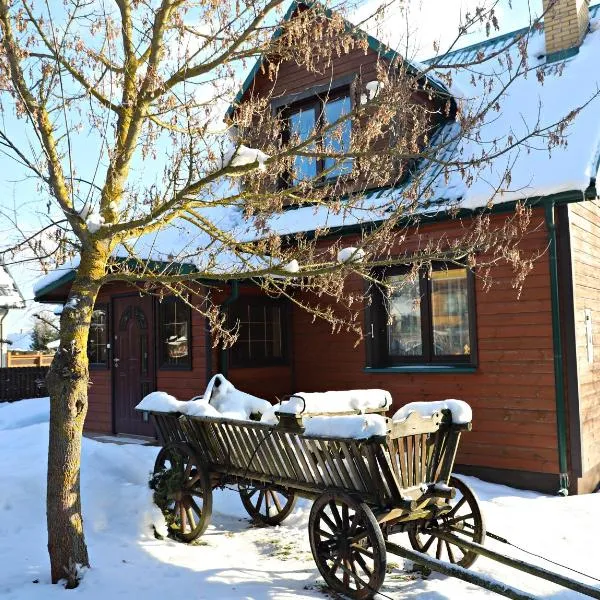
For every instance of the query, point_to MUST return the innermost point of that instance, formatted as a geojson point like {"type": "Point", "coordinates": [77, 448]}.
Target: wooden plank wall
{"type": "Point", "coordinates": [584, 218]}
{"type": "Point", "coordinates": [512, 391]}
{"type": "Point", "coordinates": [181, 383]}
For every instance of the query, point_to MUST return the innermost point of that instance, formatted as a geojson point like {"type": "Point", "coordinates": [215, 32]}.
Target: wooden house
{"type": "Point", "coordinates": [528, 366]}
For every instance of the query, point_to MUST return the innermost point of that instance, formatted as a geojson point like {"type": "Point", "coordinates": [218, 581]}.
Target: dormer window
{"type": "Point", "coordinates": [313, 117]}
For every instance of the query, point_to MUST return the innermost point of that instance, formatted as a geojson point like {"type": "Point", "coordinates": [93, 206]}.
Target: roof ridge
{"type": "Point", "coordinates": [497, 39]}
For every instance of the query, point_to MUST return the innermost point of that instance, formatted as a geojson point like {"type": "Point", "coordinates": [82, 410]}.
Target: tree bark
{"type": "Point", "coordinates": [68, 387]}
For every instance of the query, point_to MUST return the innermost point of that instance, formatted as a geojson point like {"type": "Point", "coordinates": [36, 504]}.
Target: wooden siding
{"type": "Point", "coordinates": [584, 218]}
{"type": "Point", "coordinates": [512, 391]}
{"type": "Point", "coordinates": [181, 383]}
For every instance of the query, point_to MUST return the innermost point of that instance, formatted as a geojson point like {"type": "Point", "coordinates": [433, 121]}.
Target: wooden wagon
{"type": "Point", "coordinates": [364, 490]}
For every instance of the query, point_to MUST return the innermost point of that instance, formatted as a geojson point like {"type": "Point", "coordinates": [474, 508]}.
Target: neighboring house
{"type": "Point", "coordinates": [10, 299]}
{"type": "Point", "coordinates": [529, 366]}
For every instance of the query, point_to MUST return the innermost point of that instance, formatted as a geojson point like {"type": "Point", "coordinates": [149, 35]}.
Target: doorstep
{"type": "Point", "coordinates": [122, 439]}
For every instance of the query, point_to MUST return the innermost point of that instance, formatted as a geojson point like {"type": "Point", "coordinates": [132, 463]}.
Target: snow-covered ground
{"type": "Point", "coordinates": [233, 559]}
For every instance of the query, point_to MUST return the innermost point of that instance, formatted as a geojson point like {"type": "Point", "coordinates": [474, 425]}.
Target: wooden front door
{"type": "Point", "coordinates": [133, 362]}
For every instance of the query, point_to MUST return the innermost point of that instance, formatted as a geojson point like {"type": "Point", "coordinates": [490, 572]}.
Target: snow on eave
{"type": "Point", "coordinates": [10, 294]}
{"type": "Point", "coordinates": [55, 278]}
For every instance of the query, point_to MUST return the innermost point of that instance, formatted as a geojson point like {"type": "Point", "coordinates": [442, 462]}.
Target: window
{"type": "Point", "coordinates": [430, 320]}
{"type": "Point", "coordinates": [314, 115]}
{"type": "Point", "coordinates": [262, 335]}
{"type": "Point", "coordinates": [174, 317]}
{"type": "Point", "coordinates": [98, 337]}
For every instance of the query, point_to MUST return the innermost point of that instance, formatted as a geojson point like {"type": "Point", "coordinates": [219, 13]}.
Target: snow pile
{"type": "Point", "coordinates": [243, 156]}
{"type": "Point", "coordinates": [94, 222]}
{"type": "Point", "coordinates": [221, 399]}
{"type": "Point", "coordinates": [461, 411]}
{"type": "Point", "coordinates": [346, 426]}
{"type": "Point", "coordinates": [55, 275]}
{"type": "Point", "coordinates": [350, 254]}
{"type": "Point", "coordinates": [292, 266]}
{"type": "Point", "coordinates": [231, 402]}
{"type": "Point", "coordinates": [336, 401]}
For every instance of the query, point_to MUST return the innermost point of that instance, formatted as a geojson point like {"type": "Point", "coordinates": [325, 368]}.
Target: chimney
{"type": "Point", "coordinates": [565, 25]}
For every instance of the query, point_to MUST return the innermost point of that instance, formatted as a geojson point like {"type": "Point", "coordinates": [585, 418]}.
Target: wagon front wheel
{"type": "Point", "coordinates": [267, 504]}
{"type": "Point", "coordinates": [464, 520]}
{"type": "Point", "coordinates": [347, 545]}
{"type": "Point", "coordinates": [182, 491]}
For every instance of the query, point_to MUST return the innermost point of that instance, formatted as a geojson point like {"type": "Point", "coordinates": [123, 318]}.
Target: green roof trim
{"type": "Point", "coordinates": [68, 277]}
{"type": "Point", "coordinates": [152, 265]}
{"type": "Point", "coordinates": [374, 44]}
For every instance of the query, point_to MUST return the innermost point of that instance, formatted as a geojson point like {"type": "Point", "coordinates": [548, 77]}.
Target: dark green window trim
{"type": "Point", "coordinates": [447, 369]}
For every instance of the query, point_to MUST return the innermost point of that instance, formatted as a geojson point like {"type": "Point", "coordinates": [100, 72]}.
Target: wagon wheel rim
{"type": "Point", "coordinates": [464, 520]}
{"type": "Point", "coordinates": [186, 495]}
{"type": "Point", "coordinates": [347, 545]}
{"type": "Point", "coordinates": [267, 504]}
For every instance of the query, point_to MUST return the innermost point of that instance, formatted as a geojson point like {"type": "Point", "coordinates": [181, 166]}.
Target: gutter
{"type": "Point", "coordinates": [559, 375]}
{"type": "Point", "coordinates": [224, 354]}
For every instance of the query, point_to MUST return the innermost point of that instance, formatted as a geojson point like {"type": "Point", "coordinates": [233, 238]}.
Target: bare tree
{"type": "Point", "coordinates": [123, 104]}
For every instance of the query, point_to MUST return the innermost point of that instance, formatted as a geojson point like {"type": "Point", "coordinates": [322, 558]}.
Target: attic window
{"type": "Point", "coordinates": [313, 117]}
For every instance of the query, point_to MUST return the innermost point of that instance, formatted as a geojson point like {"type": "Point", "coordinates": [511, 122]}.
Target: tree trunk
{"type": "Point", "coordinates": [68, 387]}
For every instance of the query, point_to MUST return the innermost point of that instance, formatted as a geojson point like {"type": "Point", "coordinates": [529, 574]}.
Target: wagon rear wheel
{"type": "Point", "coordinates": [267, 504]}
{"type": "Point", "coordinates": [464, 521]}
{"type": "Point", "coordinates": [182, 491]}
{"type": "Point", "coordinates": [347, 545]}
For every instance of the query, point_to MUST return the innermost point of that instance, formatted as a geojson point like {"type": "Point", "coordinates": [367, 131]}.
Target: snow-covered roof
{"type": "Point", "coordinates": [10, 297]}
{"type": "Point", "coordinates": [538, 99]}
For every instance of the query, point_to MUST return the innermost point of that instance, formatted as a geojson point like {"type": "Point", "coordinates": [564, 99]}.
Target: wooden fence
{"type": "Point", "coordinates": [17, 383]}
{"type": "Point", "coordinates": [17, 358]}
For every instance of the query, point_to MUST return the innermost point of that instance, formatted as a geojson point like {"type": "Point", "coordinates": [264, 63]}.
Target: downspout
{"type": "Point", "coordinates": [559, 376]}
{"type": "Point", "coordinates": [235, 294]}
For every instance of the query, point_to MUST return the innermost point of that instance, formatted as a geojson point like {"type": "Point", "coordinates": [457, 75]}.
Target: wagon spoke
{"type": "Point", "coordinates": [450, 553]}
{"type": "Point", "coordinates": [277, 501]}
{"type": "Point", "coordinates": [328, 521]}
{"type": "Point", "coordinates": [457, 506]}
{"type": "Point", "coordinates": [334, 567]}
{"type": "Point", "coordinates": [182, 518]}
{"type": "Point", "coordinates": [345, 518]}
{"type": "Point", "coordinates": [354, 524]}
{"type": "Point", "coordinates": [438, 552]}
{"type": "Point", "coordinates": [464, 532]}
{"type": "Point", "coordinates": [190, 518]}
{"type": "Point", "coordinates": [325, 534]}
{"type": "Point", "coordinates": [259, 502]}
{"type": "Point", "coordinates": [193, 480]}
{"type": "Point", "coordinates": [335, 513]}
{"type": "Point", "coordinates": [459, 519]}
{"type": "Point", "coordinates": [363, 564]}
{"type": "Point", "coordinates": [362, 550]}
{"type": "Point", "coordinates": [195, 507]}
{"type": "Point", "coordinates": [428, 543]}
{"type": "Point", "coordinates": [188, 470]}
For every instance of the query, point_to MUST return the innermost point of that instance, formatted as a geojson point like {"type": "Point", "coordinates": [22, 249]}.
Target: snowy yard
{"type": "Point", "coordinates": [233, 559]}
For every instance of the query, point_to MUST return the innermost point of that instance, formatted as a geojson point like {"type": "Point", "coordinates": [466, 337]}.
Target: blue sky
{"type": "Point", "coordinates": [431, 20]}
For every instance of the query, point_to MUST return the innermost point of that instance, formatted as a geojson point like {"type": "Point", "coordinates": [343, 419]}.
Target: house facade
{"type": "Point", "coordinates": [529, 366]}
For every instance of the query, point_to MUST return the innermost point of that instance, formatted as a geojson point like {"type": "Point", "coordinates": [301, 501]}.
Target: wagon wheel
{"type": "Point", "coordinates": [464, 520]}
{"type": "Point", "coordinates": [267, 504]}
{"type": "Point", "coordinates": [347, 545]}
{"type": "Point", "coordinates": [182, 491]}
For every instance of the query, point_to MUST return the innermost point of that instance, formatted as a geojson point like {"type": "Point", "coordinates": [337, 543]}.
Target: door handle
{"type": "Point", "coordinates": [115, 362]}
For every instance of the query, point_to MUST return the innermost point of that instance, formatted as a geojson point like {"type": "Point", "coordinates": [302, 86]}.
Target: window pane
{"type": "Point", "coordinates": [259, 334]}
{"type": "Point", "coordinates": [97, 339]}
{"type": "Point", "coordinates": [302, 124]}
{"type": "Point", "coordinates": [174, 333]}
{"type": "Point", "coordinates": [338, 139]}
{"type": "Point", "coordinates": [450, 312]}
{"type": "Point", "coordinates": [404, 325]}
